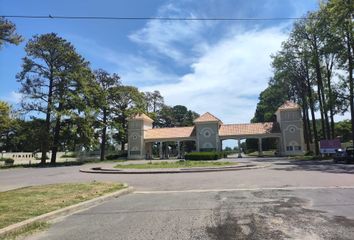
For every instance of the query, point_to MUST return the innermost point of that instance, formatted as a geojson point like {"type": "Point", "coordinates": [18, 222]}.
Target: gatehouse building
{"type": "Point", "coordinates": [209, 131]}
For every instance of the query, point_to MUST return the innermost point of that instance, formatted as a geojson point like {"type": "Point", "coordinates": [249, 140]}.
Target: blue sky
{"type": "Point", "coordinates": [220, 67]}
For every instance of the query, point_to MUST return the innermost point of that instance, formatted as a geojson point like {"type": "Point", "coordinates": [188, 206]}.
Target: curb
{"type": "Point", "coordinates": [63, 212]}
{"type": "Point", "coordinates": [183, 170]}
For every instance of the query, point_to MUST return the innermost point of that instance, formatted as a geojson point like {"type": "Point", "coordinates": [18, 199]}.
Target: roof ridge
{"type": "Point", "coordinates": [200, 118]}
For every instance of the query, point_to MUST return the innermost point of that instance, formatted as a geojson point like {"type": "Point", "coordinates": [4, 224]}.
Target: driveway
{"type": "Point", "coordinates": [289, 199]}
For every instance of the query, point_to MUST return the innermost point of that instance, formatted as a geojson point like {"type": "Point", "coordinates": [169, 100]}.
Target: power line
{"type": "Point", "coordinates": [152, 18]}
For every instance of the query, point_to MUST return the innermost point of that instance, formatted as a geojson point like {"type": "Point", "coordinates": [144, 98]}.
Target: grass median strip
{"type": "Point", "coordinates": [24, 203]}
{"type": "Point", "coordinates": [178, 164]}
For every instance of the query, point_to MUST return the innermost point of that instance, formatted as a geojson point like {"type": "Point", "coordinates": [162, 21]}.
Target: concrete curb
{"type": "Point", "coordinates": [63, 212]}
{"type": "Point", "coordinates": [166, 171]}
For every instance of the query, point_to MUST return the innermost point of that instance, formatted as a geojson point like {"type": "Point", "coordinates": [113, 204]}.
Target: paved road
{"type": "Point", "coordinates": [288, 200]}
{"type": "Point", "coordinates": [282, 173]}
{"type": "Point", "coordinates": [261, 214]}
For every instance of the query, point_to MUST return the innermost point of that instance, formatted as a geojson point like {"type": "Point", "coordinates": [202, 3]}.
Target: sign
{"type": "Point", "coordinates": [329, 146]}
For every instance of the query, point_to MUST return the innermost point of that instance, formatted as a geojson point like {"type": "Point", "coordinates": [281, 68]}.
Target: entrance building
{"type": "Point", "coordinates": [208, 133]}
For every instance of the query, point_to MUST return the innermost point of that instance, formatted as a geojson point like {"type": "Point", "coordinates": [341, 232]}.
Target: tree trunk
{"type": "Point", "coordinates": [320, 91]}
{"type": "Point", "coordinates": [56, 138]}
{"type": "Point", "coordinates": [104, 131]}
{"type": "Point", "coordinates": [306, 130]}
{"type": "Point", "coordinates": [45, 137]}
{"type": "Point", "coordinates": [330, 99]}
{"type": "Point", "coordinates": [317, 149]}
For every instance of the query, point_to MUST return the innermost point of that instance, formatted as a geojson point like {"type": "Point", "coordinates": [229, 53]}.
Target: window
{"type": "Point", "coordinates": [297, 148]}
{"type": "Point", "coordinates": [289, 148]}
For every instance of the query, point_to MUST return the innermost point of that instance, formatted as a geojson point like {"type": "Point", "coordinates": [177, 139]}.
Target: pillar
{"type": "Point", "coordinates": [161, 152]}
{"type": "Point", "coordinates": [239, 149]}
{"type": "Point", "coordinates": [178, 149]}
{"type": "Point", "coordinates": [166, 151]}
{"type": "Point", "coordinates": [260, 151]}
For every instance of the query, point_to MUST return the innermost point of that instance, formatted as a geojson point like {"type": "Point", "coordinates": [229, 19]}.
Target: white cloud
{"type": "Point", "coordinates": [228, 78]}
{"type": "Point", "coordinates": [167, 38]}
{"type": "Point", "coordinates": [13, 97]}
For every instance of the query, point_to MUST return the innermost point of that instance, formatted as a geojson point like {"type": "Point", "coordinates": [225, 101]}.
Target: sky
{"type": "Point", "coordinates": [215, 66]}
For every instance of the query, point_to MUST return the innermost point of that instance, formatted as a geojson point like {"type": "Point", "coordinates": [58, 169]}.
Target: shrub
{"type": "Point", "coordinates": [309, 153]}
{"type": "Point", "coordinates": [204, 156]}
{"type": "Point", "coordinates": [8, 161]}
{"type": "Point", "coordinates": [122, 154]}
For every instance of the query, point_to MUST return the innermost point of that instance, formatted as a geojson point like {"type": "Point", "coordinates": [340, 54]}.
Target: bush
{"type": "Point", "coordinates": [309, 153]}
{"type": "Point", "coordinates": [8, 161]}
{"type": "Point", "coordinates": [122, 154]}
{"type": "Point", "coordinates": [204, 155]}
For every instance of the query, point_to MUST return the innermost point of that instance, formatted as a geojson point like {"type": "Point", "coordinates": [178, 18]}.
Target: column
{"type": "Point", "coordinates": [166, 151]}
{"type": "Point", "coordinates": [178, 149]}
{"type": "Point", "coordinates": [239, 149]}
{"type": "Point", "coordinates": [160, 146]}
{"type": "Point", "coordinates": [260, 151]}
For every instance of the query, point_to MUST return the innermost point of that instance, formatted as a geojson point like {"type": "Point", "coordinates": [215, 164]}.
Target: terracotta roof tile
{"type": "Point", "coordinates": [142, 116]}
{"type": "Point", "coordinates": [248, 129]}
{"type": "Point", "coordinates": [207, 117]}
{"type": "Point", "coordinates": [289, 105]}
{"type": "Point", "coordinates": [169, 133]}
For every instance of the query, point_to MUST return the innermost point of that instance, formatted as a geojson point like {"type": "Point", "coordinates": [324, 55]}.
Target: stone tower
{"type": "Point", "coordinates": [207, 132]}
{"type": "Point", "coordinates": [290, 121]}
{"type": "Point", "coordinates": [136, 129]}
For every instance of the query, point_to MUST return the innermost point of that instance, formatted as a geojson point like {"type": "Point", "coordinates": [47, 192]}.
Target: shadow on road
{"type": "Point", "coordinates": [322, 166]}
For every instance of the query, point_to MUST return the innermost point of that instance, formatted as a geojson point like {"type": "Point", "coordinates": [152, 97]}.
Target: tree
{"type": "Point", "coordinates": [154, 101]}
{"type": "Point", "coordinates": [341, 14]}
{"type": "Point", "coordinates": [128, 101]}
{"type": "Point", "coordinates": [4, 116]}
{"type": "Point", "coordinates": [108, 83]}
{"type": "Point", "coordinates": [8, 33]}
{"type": "Point", "coordinates": [55, 81]}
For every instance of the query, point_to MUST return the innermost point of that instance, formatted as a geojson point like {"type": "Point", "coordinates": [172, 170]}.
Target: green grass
{"type": "Point", "coordinates": [24, 203]}
{"type": "Point", "coordinates": [179, 164]}
{"type": "Point", "coordinates": [59, 164]}
{"type": "Point", "coordinates": [25, 231]}
{"type": "Point", "coordinates": [269, 153]}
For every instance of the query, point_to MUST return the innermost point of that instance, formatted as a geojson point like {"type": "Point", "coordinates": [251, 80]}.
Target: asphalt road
{"type": "Point", "coordinates": [244, 214]}
{"type": "Point", "coordinates": [287, 200]}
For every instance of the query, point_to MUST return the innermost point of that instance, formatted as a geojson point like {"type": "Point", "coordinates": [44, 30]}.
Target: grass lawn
{"type": "Point", "coordinates": [59, 164]}
{"type": "Point", "coordinates": [179, 164]}
{"type": "Point", "coordinates": [24, 203]}
{"type": "Point", "coordinates": [265, 154]}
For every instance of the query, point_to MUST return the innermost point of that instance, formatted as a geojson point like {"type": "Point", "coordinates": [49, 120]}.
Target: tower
{"type": "Point", "coordinates": [207, 132]}
{"type": "Point", "coordinates": [136, 129]}
{"type": "Point", "coordinates": [291, 126]}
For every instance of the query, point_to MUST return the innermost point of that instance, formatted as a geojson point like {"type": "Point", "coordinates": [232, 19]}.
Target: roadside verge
{"type": "Point", "coordinates": [64, 211]}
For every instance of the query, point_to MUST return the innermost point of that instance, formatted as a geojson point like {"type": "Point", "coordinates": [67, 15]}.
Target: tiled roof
{"type": "Point", "coordinates": [169, 133]}
{"type": "Point", "coordinates": [248, 129]}
{"type": "Point", "coordinates": [289, 105]}
{"type": "Point", "coordinates": [207, 117]}
{"type": "Point", "coordinates": [142, 116]}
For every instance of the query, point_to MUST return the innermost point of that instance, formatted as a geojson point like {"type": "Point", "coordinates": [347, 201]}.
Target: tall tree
{"type": "Point", "coordinates": [154, 101]}
{"type": "Point", "coordinates": [341, 15]}
{"type": "Point", "coordinates": [108, 83]}
{"type": "Point", "coordinates": [54, 81]}
{"type": "Point", "coordinates": [8, 33]}
{"type": "Point", "coordinates": [128, 101]}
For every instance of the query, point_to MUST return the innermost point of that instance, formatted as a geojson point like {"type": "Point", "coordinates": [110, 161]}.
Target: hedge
{"type": "Point", "coordinates": [8, 161]}
{"type": "Point", "coordinates": [122, 154]}
{"type": "Point", "coordinates": [204, 155]}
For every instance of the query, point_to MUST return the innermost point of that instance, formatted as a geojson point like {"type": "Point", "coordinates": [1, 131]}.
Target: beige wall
{"type": "Point", "coordinates": [207, 136]}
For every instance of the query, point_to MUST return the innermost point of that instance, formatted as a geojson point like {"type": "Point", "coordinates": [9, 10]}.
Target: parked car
{"type": "Point", "coordinates": [345, 155]}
